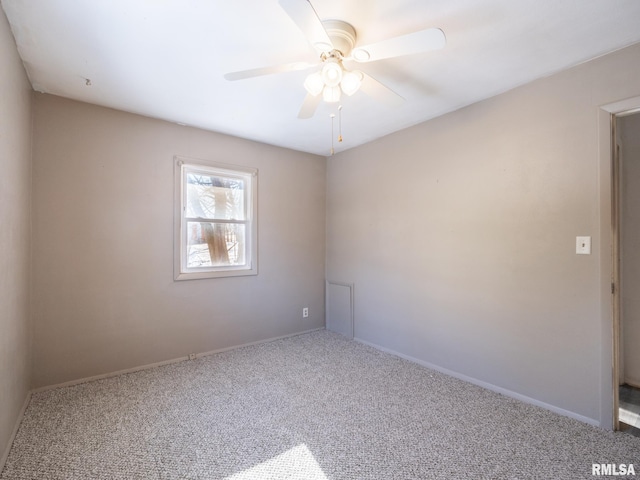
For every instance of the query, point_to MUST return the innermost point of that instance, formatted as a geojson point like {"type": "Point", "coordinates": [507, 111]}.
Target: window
{"type": "Point", "coordinates": [216, 228]}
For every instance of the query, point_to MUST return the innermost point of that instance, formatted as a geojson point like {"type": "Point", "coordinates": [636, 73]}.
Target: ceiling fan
{"type": "Point", "coordinates": [335, 42]}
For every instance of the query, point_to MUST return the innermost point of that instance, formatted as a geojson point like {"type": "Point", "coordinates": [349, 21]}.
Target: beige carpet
{"type": "Point", "coordinates": [315, 406]}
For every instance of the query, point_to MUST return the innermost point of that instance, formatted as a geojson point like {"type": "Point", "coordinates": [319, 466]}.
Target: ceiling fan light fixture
{"type": "Point", "coordinates": [335, 42]}
{"type": "Point", "coordinates": [351, 82]}
{"type": "Point", "coordinates": [331, 94]}
{"type": "Point", "coordinates": [314, 84]}
{"type": "Point", "coordinates": [332, 73]}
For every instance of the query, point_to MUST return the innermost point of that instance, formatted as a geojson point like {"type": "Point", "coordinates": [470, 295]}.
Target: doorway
{"type": "Point", "coordinates": [626, 269]}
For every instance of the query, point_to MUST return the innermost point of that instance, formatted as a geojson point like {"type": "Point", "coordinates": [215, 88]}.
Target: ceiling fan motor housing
{"type": "Point", "coordinates": [342, 35]}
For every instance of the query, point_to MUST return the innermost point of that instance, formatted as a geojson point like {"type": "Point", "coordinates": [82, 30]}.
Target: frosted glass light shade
{"type": "Point", "coordinates": [331, 94]}
{"type": "Point", "coordinates": [350, 82]}
{"type": "Point", "coordinates": [332, 74]}
{"type": "Point", "coordinates": [314, 84]}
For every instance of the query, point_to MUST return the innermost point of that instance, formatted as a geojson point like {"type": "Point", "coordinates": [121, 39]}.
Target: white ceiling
{"type": "Point", "coordinates": [166, 58]}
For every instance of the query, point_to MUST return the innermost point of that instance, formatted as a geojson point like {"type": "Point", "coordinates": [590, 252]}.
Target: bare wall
{"type": "Point", "coordinates": [15, 218]}
{"type": "Point", "coordinates": [459, 236]}
{"type": "Point", "coordinates": [104, 297]}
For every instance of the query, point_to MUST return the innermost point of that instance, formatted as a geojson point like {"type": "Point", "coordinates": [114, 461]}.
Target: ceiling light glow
{"type": "Point", "coordinates": [332, 73]}
{"type": "Point", "coordinates": [331, 94]}
{"type": "Point", "coordinates": [333, 80]}
{"type": "Point", "coordinates": [314, 84]}
{"type": "Point", "coordinates": [351, 82]}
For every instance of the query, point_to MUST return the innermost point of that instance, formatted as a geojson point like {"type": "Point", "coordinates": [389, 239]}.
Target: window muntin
{"type": "Point", "coordinates": [217, 231]}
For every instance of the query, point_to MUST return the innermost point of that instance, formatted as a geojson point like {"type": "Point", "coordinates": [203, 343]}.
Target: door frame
{"type": "Point", "coordinates": [610, 256]}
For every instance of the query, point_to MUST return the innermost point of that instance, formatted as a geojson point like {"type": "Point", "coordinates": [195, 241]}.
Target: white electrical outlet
{"type": "Point", "coordinates": [192, 356]}
{"type": "Point", "coordinates": [305, 312]}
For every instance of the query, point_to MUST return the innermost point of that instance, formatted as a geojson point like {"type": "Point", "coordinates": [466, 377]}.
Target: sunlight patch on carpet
{"type": "Point", "coordinates": [628, 416]}
{"type": "Point", "coordinates": [297, 463]}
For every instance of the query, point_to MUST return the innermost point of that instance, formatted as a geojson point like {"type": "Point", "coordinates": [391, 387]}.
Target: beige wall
{"type": "Point", "coordinates": [629, 127]}
{"type": "Point", "coordinates": [15, 208]}
{"type": "Point", "coordinates": [459, 237]}
{"type": "Point", "coordinates": [104, 298]}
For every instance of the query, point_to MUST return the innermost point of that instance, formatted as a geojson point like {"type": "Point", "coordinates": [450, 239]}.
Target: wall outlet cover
{"type": "Point", "coordinates": [583, 245]}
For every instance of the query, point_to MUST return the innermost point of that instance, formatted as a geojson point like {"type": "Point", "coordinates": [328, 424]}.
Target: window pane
{"type": "Point", "coordinates": [215, 197]}
{"type": "Point", "coordinates": [215, 244]}
{"type": "Point", "coordinates": [215, 227]}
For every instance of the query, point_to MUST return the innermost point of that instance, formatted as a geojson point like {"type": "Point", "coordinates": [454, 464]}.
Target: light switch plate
{"type": "Point", "coordinates": [583, 245]}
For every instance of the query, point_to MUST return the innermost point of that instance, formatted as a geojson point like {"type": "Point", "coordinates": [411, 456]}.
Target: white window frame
{"type": "Point", "coordinates": [250, 176]}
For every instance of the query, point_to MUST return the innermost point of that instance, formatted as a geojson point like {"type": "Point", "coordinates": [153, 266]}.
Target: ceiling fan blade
{"type": "Point", "coordinates": [380, 92]}
{"type": "Point", "coordinates": [309, 106]}
{"type": "Point", "coordinates": [305, 17]}
{"type": "Point", "coordinates": [416, 42]}
{"type": "Point", "coordinates": [258, 72]}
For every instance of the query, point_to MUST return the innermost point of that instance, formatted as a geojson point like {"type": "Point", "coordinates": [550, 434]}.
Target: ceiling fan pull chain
{"type": "Point", "coordinates": [340, 123]}
{"type": "Point", "coordinates": [332, 117]}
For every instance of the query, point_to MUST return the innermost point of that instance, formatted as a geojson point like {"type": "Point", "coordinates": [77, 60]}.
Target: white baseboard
{"type": "Point", "coordinates": [5, 454]}
{"type": "Point", "coordinates": [259, 342]}
{"type": "Point", "coordinates": [166, 362]}
{"type": "Point", "coordinates": [488, 386]}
